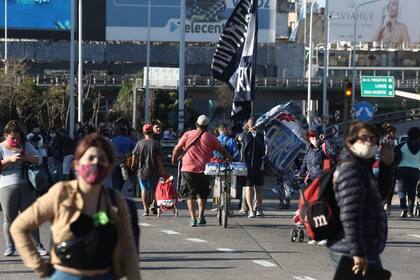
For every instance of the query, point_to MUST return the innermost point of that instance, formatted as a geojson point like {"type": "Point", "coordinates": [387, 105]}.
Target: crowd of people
{"type": "Point", "coordinates": [87, 173]}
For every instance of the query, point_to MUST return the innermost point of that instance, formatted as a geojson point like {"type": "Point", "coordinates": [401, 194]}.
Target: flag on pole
{"type": "Point", "coordinates": [235, 56]}
{"type": "Point", "coordinates": [285, 130]}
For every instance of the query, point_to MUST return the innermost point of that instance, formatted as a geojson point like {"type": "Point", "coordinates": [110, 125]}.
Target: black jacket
{"type": "Point", "coordinates": [360, 200]}
{"type": "Point", "coordinates": [253, 152]}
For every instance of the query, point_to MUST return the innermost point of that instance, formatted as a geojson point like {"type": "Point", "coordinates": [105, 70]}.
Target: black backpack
{"type": "Point", "coordinates": [131, 205]}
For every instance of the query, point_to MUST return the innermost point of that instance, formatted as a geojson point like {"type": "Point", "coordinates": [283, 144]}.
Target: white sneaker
{"type": "Point", "coordinates": [259, 213]}
{"type": "Point", "coordinates": [322, 242]}
{"type": "Point", "coordinates": [251, 214]}
{"type": "Point", "coordinates": [274, 190]}
{"type": "Point", "coordinates": [312, 242]}
{"type": "Point", "coordinates": [243, 212]}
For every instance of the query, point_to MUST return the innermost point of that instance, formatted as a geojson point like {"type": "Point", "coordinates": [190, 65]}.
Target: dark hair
{"type": "Point", "coordinates": [95, 140]}
{"type": "Point", "coordinates": [14, 126]}
{"type": "Point", "coordinates": [413, 133]}
{"type": "Point", "coordinates": [352, 132]}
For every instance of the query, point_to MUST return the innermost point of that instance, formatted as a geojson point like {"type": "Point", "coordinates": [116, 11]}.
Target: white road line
{"type": "Point", "coordinates": [145, 225]}
{"type": "Point", "coordinates": [226, 250]}
{"type": "Point", "coordinates": [170, 232]}
{"type": "Point", "coordinates": [264, 263]}
{"type": "Point", "coordinates": [414, 235]}
{"type": "Point", "coordinates": [303, 278]}
{"type": "Point", "coordinates": [196, 240]}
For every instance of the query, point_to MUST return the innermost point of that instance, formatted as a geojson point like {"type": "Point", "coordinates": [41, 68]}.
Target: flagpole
{"type": "Point", "coordinates": [181, 88]}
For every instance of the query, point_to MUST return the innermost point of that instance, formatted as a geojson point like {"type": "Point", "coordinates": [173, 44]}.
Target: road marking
{"type": "Point", "coordinates": [145, 225]}
{"type": "Point", "coordinates": [264, 263]}
{"type": "Point", "coordinates": [196, 240]}
{"type": "Point", "coordinates": [226, 250]}
{"type": "Point", "coordinates": [170, 232]}
{"type": "Point", "coordinates": [303, 278]}
{"type": "Point", "coordinates": [414, 235]}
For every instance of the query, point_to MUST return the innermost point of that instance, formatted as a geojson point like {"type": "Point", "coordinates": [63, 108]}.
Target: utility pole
{"type": "Point", "coordinates": [181, 88]}
{"type": "Point", "coordinates": [71, 90]}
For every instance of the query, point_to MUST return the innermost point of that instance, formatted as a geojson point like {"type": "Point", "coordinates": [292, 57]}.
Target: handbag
{"type": "Point", "coordinates": [38, 177]}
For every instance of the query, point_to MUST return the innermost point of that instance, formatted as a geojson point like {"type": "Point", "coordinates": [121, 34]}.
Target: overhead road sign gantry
{"type": "Point", "coordinates": [377, 86]}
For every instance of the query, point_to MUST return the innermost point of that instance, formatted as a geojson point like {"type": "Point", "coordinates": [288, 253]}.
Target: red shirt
{"type": "Point", "coordinates": [200, 152]}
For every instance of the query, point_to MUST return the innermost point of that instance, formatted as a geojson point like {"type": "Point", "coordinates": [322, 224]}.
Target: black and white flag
{"type": "Point", "coordinates": [234, 60]}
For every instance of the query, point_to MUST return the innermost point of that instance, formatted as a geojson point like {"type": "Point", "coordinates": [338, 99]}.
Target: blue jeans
{"type": "Point", "coordinates": [59, 275]}
{"type": "Point", "coordinates": [374, 260]}
{"type": "Point", "coordinates": [406, 185]}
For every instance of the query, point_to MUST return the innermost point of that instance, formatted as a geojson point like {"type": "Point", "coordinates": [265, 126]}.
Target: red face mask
{"type": "Point", "coordinates": [13, 142]}
{"type": "Point", "coordinates": [93, 173]}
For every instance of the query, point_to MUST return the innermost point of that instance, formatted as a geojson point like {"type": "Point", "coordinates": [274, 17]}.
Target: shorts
{"type": "Point", "coordinates": [254, 180]}
{"type": "Point", "coordinates": [148, 184]}
{"type": "Point", "coordinates": [194, 185]}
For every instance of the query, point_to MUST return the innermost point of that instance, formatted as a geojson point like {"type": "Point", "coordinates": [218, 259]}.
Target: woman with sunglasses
{"type": "Point", "coordinates": [16, 193]}
{"type": "Point", "coordinates": [91, 235]}
{"type": "Point", "coordinates": [360, 198]}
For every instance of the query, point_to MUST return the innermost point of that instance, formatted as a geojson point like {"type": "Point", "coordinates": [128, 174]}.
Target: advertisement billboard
{"type": "Point", "coordinates": [127, 20]}
{"type": "Point", "coordinates": [51, 15]}
{"type": "Point", "coordinates": [388, 21]}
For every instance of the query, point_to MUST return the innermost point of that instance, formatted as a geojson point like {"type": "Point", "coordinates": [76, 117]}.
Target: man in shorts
{"type": "Point", "coordinates": [199, 145]}
{"type": "Point", "coordinates": [150, 167]}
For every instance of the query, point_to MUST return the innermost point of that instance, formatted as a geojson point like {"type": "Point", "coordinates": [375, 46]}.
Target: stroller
{"type": "Point", "coordinates": [417, 206]}
{"type": "Point", "coordinates": [166, 196]}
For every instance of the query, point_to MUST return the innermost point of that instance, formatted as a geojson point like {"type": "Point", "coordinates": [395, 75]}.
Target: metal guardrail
{"type": "Point", "coordinates": [409, 114]}
{"type": "Point", "coordinates": [200, 81]}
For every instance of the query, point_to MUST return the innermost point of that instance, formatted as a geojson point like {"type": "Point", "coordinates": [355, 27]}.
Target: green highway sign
{"type": "Point", "coordinates": [377, 86]}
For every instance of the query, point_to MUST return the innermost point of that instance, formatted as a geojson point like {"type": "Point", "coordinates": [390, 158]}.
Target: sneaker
{"type": "Point", "coordinates": [41, 250]}
{"type": "Point", "coordinates": [154, 210]}
{"type": "Point", "coordinates": [274, 190]}
{"type": "Point", "coordinates": [214, 209]}
{"type": "Point", "coordinates": [243, 212]}
{"type": "Point", "coordinates": [409, 214]}
{"type": "Point", "coordinates": [312, 242]}
{"type": "Point", "coordinates": [10, 251]}
{"type": "Point", "coordinates": [404, 213]}
{"type": "Point", "coordinates": [193, 222]}
{"type": "Point", "coordinates": [201, 221]}
{"type": "Point", "coordinates": [322, 242]}
{"type": "Point", "coordinates": [251, 214]}
{"type": "Point", "coordinates": [259, 213]}
{"type": "Point", "coordinates": [287, 206]}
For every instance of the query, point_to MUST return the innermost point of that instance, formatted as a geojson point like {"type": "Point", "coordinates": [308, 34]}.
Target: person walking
{"type": "Point", "coordinates": [91, 234]}
{"type": "Point", "coordinates": [16, 192]}
{"type": "Point", "coordinates": [147, 154]}
{"type": "Point", "coordinates": [408, 170]}
{"type": "Point", "coordinates": [198, 146]}
{"type": "Point", "coordinates": [360, 197]}
{"type": "Point", "coordinates": [253, 154]}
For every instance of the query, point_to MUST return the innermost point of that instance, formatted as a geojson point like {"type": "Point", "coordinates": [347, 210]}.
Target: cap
{"type": "Point", "coordinates": [203, 120]}
{"type": "Point", "coordinates": [147, 127]}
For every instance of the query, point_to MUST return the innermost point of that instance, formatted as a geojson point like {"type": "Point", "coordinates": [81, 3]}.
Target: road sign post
{"type": "Point", "coordinates": [377, 86]}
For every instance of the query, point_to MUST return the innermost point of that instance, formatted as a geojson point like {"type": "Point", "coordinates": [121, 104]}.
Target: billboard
{"type": "Point", "coordinates": [388, 21]}
{"type": "Point", "coordinates": [205, 19]}
{"type": "Point", "coordinates": [51, 15]}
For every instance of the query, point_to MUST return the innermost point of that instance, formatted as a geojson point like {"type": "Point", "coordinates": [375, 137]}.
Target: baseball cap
{"type": "Point", "coordinates": [203, 120]}
{"type": "Point", "coordinates": [147, 127]}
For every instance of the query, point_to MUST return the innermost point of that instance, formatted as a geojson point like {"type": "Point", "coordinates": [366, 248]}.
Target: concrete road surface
{"type": "Point", "coordinates": [252, 249]}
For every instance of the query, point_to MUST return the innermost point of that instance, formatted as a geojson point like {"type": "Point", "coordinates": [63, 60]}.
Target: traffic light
{"type": "Point", "coordinates": [348, 89]}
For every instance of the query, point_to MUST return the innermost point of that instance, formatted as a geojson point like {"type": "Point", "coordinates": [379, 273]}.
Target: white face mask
{"type": "Point", "coordinates": [363, 150]}
{"type": "Point", "coordinates": [315, 142]}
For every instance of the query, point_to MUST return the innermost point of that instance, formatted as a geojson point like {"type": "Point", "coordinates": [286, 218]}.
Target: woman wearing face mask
{"type": "Point", "coordinates": [91, 236]}
{"type": "Point", "coordinates": [16, 193]}
{"type": "Point", "coordinates": [319, 150]}
{"type": "Point", "coordinates": [360, 198]}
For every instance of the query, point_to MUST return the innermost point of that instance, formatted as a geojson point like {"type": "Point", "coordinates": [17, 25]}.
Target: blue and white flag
{"type": "Point", "coordinates": [285, 131]}
{"type": "Point", "coordinates": [302, 16]}
{"type": "Point", "coordinates": [235, 56]}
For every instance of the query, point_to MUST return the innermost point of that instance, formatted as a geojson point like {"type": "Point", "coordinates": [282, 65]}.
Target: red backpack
{"type": "Point", "coordinates": [318, 210]}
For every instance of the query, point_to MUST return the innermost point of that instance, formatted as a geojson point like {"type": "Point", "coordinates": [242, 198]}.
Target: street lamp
{"type": "Point", "coordinates": [354, 49]}
{"type": "Point", "coordinates": [309, 105]}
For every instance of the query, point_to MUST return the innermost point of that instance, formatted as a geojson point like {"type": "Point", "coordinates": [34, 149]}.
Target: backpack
{"type": "Point", "coordinates": [318, 210]}
{"type": "Point", "coordinates": [131, 205]}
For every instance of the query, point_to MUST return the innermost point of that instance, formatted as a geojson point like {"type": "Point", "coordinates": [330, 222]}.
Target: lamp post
{"type": "Point", "coordinates": [326, 54]}
{"type": "Point", "coordinates": [181, 88]}
{"type": "Point", "coordinates": [353, 56]}
{"type": "Point", "coordinates": [80, 69]}
{"type": "Point", "coordinates": [71, 101]}
{"type": "Point", "coordinates": [147, 94]}
{"type": "Point", "coordinates": [309, 105]}
{"type": "Point", "coordinates": [5, 36]}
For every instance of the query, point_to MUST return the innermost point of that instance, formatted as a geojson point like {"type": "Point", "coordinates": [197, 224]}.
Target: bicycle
{"type": "Point", "coordinates": [225, 187]}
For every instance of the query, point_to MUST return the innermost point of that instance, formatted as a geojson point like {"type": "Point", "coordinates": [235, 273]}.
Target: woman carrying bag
{"type": "Point", "coordinates": [16, 192]}
{"type": "Point", "coordinates": [91, 237]}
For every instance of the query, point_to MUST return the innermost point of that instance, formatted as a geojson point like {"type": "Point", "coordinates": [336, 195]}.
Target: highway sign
{"type": "Point", "coordinates": [363, 111]}
{"type": "Point", "coordinates": [377, 86]}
